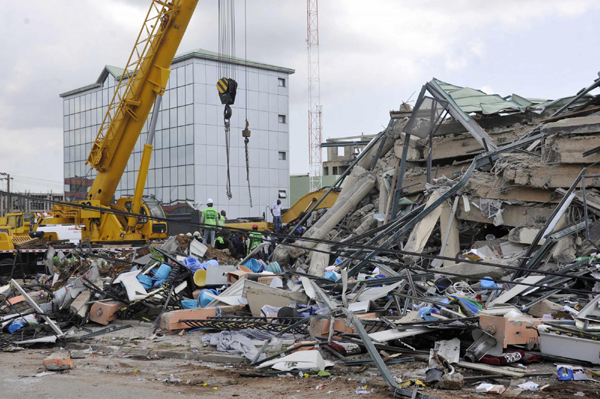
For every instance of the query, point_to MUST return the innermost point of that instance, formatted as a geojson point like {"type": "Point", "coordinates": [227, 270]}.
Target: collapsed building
{"type": "Point", "coordinates": [513, 158]}
{"type": "Point", "coordinates": [465, 236]}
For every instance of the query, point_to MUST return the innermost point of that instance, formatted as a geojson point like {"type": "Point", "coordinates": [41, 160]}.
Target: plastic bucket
{"type": "Point", "coordinates": [163, 272]}
{"type": "Point", "coordinates": [200, 278]}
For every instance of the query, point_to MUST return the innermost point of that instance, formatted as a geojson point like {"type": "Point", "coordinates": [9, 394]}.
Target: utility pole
{"type": "Point", "coordinates": [315, 110]}
{"type": "Point", "coordinates": [8, 179]}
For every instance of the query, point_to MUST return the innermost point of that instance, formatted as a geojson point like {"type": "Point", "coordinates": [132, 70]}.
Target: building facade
{"type": "Point", "coordinates": [189, 162]}
{"type": "Point", "coordinates": [35, 202]}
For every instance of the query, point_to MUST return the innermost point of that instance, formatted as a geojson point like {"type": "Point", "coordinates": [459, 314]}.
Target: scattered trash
{"type": "Point", "coordinates": [529, 386]}
{"type": "Point", "coordinates": [362, 390]}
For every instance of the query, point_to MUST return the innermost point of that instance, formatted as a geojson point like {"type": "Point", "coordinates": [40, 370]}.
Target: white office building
{"type": "Point", "coordinates": [189, 159]}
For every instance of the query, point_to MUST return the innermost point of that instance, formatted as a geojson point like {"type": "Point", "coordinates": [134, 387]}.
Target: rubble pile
{"type": "Point", "coordinates": [464, 240]}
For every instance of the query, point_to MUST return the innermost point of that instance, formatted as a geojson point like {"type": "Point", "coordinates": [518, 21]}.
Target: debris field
{"type": "Point", "coordinates": [460, 258]}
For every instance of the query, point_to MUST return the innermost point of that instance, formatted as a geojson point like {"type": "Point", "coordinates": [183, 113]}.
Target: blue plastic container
{"type": "Point", "coordinates": [163, 272]}
{"type": "Point", "coordinates": [254, 265]}
{"type": "Point", "coordinates": [189, 304]}
{"type": "Point", "coordinates": [146, 281]}
{"type": "Point", "coordinates": [204, 299]}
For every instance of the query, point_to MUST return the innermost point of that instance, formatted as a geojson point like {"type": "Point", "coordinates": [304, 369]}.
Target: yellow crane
{"type": "Point", "coordinates": [141, 86]}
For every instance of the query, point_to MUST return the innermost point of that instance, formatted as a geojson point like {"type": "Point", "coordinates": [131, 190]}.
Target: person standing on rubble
{"type": "Point", "coordinates": [209, 220]}
{"type": "Point", "coordinates": [276, 212]}
{"type": "Point", "coordinates": [222, 218]}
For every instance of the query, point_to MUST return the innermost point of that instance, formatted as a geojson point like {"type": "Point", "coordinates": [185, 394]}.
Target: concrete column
{"type": "Point", "coordinates": [344, 205]}
{"type": "Point", "coordinates": [319, 261]}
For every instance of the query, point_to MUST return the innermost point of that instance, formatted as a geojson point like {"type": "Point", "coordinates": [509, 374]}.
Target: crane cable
{"type": "Point", "coordinates": [226, 70]}
{"type": "Point", "coordinates": [246, 132]}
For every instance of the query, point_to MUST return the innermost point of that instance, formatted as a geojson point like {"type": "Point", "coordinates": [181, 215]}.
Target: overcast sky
{"type": "Point", "coordinates": [374, 55]}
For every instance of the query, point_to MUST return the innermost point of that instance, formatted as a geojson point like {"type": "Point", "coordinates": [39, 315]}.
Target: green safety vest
{"type": "Point", "coordinates": [210, 216]}
{"type": "Point", "coordinates": [255, 240]}
{"type": "Point", "coordinates": [220, 240]}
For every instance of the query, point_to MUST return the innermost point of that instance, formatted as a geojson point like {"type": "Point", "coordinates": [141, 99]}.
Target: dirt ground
{"type": "Point", "coordinates": [99, 376]}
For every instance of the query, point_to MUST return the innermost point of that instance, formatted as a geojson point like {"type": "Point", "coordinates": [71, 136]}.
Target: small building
{"type": "Point", "coordinates": [342, 151]}
{"type": "Point", "coordinates": [189, 160]}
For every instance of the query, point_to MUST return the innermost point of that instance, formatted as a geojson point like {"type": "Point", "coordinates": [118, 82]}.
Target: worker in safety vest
{"type": "Point", "coordinates": [254, 238]}
{"type": "Point", "coordinates": [209, 219]}
{"type": "Point", "coordinates": [221, 242]}
{"type": "Point", "coordinates": [222, 218]}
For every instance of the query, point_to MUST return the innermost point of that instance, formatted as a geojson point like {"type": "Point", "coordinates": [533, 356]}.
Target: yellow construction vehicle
{"type": "Point", "coordinates": [141, 86]}
{"type": "Point", "coordinates": [15, 228]}
{"type": "Point", "coordinates": [296, 211]}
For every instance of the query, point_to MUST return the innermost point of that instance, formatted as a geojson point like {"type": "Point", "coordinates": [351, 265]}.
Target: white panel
{"type": "Point", "coordinates": [253, 78]}
{"type": "Point", "coordinates": [274, 121]}
{"type": "Point", "coordinates": [264, 159]}
{"type": "Point", "coordinates": [220, 136]}
{"type": "Point", "coordinates": [263, 101]}
{"type": "Point", "coordinates": [273, 141]}
{"type": "Point", "coordinates": [211, 74]}
{"type": "Point", "coordinates": [283, 104]}
{"type": "Point", "coordinates": [212, 134]}
{"type": "Point", "coordinates": [252, 101]}
{"type": "Point", "coordinates": [273, 178]}
{"type": "Point", "coordinates": [233, 173]}
{"type": "Point", "coordinates": [200, 154]}
{"type": "Point", "coordinates": [200, 191]}
{"type": "Point", "coordinates": [221, 156]}
{"type": "Point", "coordinates": [200, 94]}
{"type": "Point", "coordinates": [263, 120]}
{"type": "Point", "coordinates": [263, 139]}
{"type": "Point", "coordinates": [234, 212]}
{"type": "Point", "coordinates": [273, 103]}
{"type": "Point", "coordinates": [211, 155]}
{"type": "Point", "coordinates": [274, 159]}
{"type": "Point", "coordinates": [211, 115]}
{"type": "Point", "coordinates": [263, 82]}
{"type": "Point", "coordinates": [221, 199]}
{"type": "Point", "coordinates": [235, 198]}
{"type": "Point", "coordinates": [234, 159]}
{"type": "Point", "coordinates": [211, 175]}
{"type": "Point", "coordinates": [264, 196]}
{"type": "Point", "coordinates": [264, 177]}
{"type": "Point", "coordinates": [236, 136]}
{"type": "Point", "coordinates": [284, 142]}
{"type": "Point", "coordinates": [199, 72]}
{"type": "Point", "coordinates": [273, 83]}
{"type": "Point", "coordinates": [284, 178]}
{"type": "Point", "coordinates": [199, 114]}
{"type": "Point", "coordinates": [199, 134]}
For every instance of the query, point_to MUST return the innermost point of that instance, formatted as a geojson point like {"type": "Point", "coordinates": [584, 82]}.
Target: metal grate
{"type": "Point", "coordinates": [240, 323]}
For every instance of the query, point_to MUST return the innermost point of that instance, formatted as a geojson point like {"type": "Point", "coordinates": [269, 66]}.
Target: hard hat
{"type": "Point", "coordinates": [254, 227]}
{"type": "Point", "coordinates": [209, 201]}
{"type": "Point", "coordinates": [196, 234]}
{"type": "Point", "coordinates": [189, 234]}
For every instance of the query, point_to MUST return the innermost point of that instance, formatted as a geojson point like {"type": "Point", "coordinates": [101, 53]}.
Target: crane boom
{"type": "Point", "coordinates": [145, 76]}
